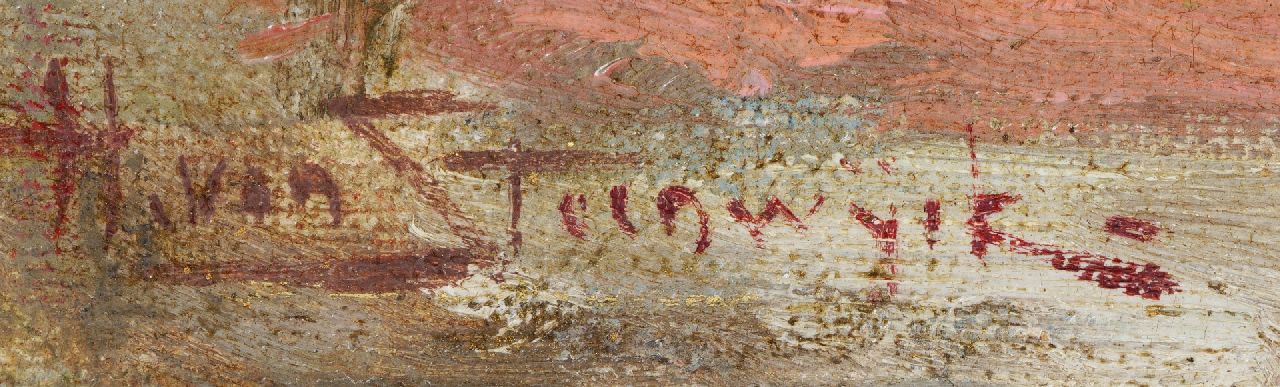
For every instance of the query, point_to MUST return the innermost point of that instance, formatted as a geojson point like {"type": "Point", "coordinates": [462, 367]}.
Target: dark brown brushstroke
{"type": "Point", "coordinates": [422, 182]}
{"type": "Point", "coordinates": [159, 215]}
{"type": "Point", "coordinates": [307, 179]}
{"type": "Point", "coordinates": [75, 145]}
{"type": "Point", "coordinates": [356, 113]}
{"type": "Point", "coordinates": [384, 272]}
{"type": "Point", "coordinates": [408, 102]}
{"type": "Point", "coordinates": [515, 195]}
{"type": "Point", "coordinates": [66, 139]}
{"type": "Point", "coordinates": [519, 161]}
{"type": "Point", "coordinates": [114, 139]}
{"type": "Point", "coordinates": [200, 200]}
{"type": "Point", "coordinates": [255, 194]}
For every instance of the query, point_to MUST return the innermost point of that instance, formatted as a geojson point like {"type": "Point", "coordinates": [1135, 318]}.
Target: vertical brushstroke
{"type": "Point", "coordinates": [983, 235]}
{"type": "Point", "coordinates": [670, 200]}
{"type": "Point", "coordinates": [159, 215]}
{"type": "Point", "coordinates": [618, 206]}
{"type": "Point", "coordinates": [885, 232]}
{"type": "Point", "coordinates": [932, 221]}
{"type": "Point", "coordinates": [255, 193]}
{"type": "Point", "coordinates": [573, 224]}
{"type": "Point", "coordinates": [201, 200]}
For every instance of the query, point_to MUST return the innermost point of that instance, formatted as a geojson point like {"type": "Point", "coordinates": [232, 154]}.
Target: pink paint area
{"type": "Point", "coordinates": [812, 33]}
{"type": "Point", "coordinates": [279, 41]}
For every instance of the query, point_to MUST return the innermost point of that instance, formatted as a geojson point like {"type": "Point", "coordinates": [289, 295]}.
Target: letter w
{"type": "Point", "coordinates": [772, 209]}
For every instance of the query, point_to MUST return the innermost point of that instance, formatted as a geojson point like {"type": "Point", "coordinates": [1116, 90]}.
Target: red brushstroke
{"type": "Point", "coordinates": [772, 209]}
{"type": "Point", "coordinates": [885, 166]}
{"type": "Point", "coordinates": [856, 168]}
{"type": "Point", "coordinates": [1145, 280]}
{"type": "Point", "coordinates": [66, 137]}
{"type": "Point", "coordinates": [618, 204]}
{"type": "Point", "coordinates": [670, 200]}
{"type": "Point", "coordinates": [515, 195]}
{"type": "Point", "coordinates": [575, 225]}
{"type": "Point", "coordinates": [885, 232]}
{"type": "Point", "coordinates": [983, 234]}
{"type": "Point", "coordinates": [518, 162]}
{"type": "Point", "coordinates": [1132, 228]}
{"type": "Point", "coordinates": [932, 221]}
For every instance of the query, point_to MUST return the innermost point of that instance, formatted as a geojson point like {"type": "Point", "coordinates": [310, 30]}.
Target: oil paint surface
{"type": "Point", "coordinates": [640, 192]}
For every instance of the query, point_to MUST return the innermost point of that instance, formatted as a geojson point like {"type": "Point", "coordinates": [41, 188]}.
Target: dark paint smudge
{"type": "Point", "coordinates": [410, 102]}
{"type": "Point", "coordinates": [1132, 228]}
{"type": "Point", "coordinates": [385, 272]}
{"type": "Point", "coordinates": [307, 179]}
{"type": "Point", "coordinates": [200, 200]}
{"type": "Point", "coordinates": [618, 205]}
{"type": "Point", "coordinates": [573, 224]}
{"type": "Point", "coordinates": [255, 195]}
{"type": "Point", "coordinates": [159, 215]}
{"type": "Point", "coordinates": [670, 200]}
